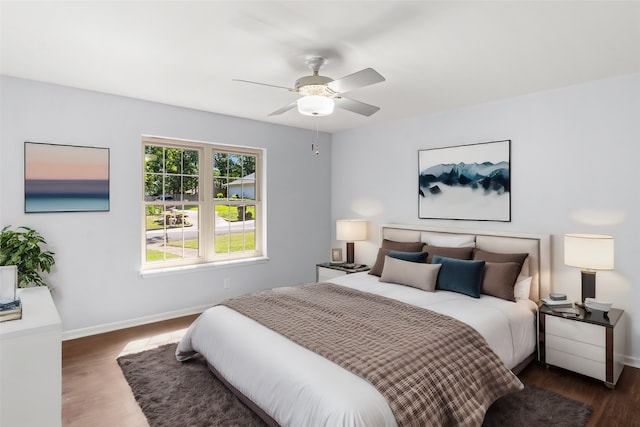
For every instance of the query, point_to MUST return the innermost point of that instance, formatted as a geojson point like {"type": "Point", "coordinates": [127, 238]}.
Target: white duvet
{"type": "Point", "coordinates": [297, 387]}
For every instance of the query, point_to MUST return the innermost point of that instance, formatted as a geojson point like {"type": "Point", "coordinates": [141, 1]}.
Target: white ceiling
{"type": "Point", "coordinates": [435, 56]}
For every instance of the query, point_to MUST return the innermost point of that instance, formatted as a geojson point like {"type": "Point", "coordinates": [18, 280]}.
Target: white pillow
{"type": "Point", "coordinates": [415, 274]}
{"type": "Point", "coordinates": [450, 241]}
{"type": "Point", "coordinates": [525, 267]}
{"type": "Point", "coordinates": [522, 287]}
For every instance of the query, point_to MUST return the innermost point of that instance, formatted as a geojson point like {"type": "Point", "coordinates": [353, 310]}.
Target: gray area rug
{"type": "Point", "coordinates": [173, 393]}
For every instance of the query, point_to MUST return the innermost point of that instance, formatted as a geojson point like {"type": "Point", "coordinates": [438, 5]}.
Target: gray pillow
{"type": "Point", "coordinates": [447, 252]}
{"type": "Point", "coordinates": [415, 274]}
{"type": "Point", "coordinates": [499, 279]}
{"type": "Point", "coordinates": [388, 246]}
{"type": "Point", "coordinates": [402, 246]}
{"type": "Point", "coordinates": [479, 254]}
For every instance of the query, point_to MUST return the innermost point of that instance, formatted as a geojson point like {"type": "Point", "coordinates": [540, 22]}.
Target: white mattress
{"type": "Point", "coordinates": [298, 387]}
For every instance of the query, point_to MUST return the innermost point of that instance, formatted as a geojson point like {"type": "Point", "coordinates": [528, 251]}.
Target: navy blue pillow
{"type": "Point", "coordinates": [462, 276]}
{"type": "Point", "coordinates": [409, 256]}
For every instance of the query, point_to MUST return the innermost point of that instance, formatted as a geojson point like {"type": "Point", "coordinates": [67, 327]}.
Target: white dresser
{"type": "Point", "coordinates": [591, 344]}
{"type": "Point", "coordinates": [31, 363]}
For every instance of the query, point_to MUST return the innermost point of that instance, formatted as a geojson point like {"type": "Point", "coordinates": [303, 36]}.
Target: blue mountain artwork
{"type": "Point", "coordinates": [490, 177]}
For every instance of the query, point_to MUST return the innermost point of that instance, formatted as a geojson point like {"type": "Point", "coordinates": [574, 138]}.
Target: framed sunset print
{"type": "Point", "coordinates": [65, 178]}
{"type": "Point", "coordinates": [467, 182]}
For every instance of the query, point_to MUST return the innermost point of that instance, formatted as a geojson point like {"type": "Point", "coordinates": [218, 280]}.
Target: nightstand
{"type": "Point", "coordinates": [591, 344]}
{"type": "Point", "coordinates": [326, 271]}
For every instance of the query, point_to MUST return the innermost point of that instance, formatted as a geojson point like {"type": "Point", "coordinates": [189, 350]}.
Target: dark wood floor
{"type": "Point", "coordinates": [619, 407]}
{"type": "Point", "coordinates": [95, 393]}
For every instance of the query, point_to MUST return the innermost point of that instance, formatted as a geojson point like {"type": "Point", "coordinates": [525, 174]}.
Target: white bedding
{"type": "Point", "coordinates": [297, 387]}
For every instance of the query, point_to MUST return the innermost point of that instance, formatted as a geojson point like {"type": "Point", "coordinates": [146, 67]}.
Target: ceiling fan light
{"type": "Point", "coordinates": [311, 89]}
{"type": "Point", "coordinates": [315, 105]}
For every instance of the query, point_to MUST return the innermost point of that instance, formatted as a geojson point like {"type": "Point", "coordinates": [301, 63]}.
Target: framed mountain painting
{"type": "Point", "coordinates": [65, 178]}
{"type": "Point", "coordinates": [466, 182]}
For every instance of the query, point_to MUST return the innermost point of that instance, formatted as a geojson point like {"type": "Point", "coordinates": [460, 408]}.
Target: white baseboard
{"type": "Point", "coordinates": [632, 361]}
{"type": "Point", "coordinates": [109, 327]}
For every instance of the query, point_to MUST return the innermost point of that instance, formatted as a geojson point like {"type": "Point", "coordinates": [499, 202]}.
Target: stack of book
{"type": "Point", "coordinates": [557, 301]}
{"type": "Point", "coordinates": [10, 310]}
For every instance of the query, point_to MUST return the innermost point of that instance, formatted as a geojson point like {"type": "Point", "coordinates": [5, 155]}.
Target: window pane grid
{"type": "Point", "coordinates": [174, 211]}
{"type": "Point", "coordinates": [171, 232]}
{"type": "Point", "coordinates": [171, 174]}
{"type": "Point", "coordinates": [234, 183]}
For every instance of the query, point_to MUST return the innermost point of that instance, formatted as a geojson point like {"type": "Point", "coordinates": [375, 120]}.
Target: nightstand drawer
{"type": "Point", "coordinates": [577, 331]}
{"type": "Point", "coordinates": [577, 348]}
{"type": "Point", "coordinates": [577, 364]}
{"type": "Point", "coordinates": [325, 274]}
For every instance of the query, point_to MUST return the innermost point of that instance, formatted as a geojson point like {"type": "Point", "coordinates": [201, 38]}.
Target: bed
{"type": "Point", "coordinates": [288, 384]}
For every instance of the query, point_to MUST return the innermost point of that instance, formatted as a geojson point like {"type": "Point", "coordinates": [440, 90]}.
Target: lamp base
{"type": "Point", "coordinates": [350, 252]}
{"type": "Point", "coordinates": [588, 284]}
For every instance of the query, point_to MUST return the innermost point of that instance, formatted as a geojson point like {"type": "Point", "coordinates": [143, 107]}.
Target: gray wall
{"type": "Point", "coordinates": [96, 280]}
{"type": "Point", "coordinates": [573, 152]}
{"type": "Point", "coordinates": [574, 167]}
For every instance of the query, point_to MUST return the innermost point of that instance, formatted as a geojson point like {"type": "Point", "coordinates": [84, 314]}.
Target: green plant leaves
{"type": "Point", "coordinates": [25, 248]}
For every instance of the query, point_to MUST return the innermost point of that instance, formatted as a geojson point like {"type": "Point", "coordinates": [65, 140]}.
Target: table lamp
{"type": "Point", "coordinates": [589, 252]}
{"type": "Point", "coordinates": [351, 230]}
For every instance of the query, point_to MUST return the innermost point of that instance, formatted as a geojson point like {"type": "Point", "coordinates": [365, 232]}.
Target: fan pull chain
{"type": "Point", "coordinates": [314, 145]}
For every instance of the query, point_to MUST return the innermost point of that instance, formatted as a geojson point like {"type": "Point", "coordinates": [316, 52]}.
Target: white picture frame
{"type": "Point", "coordinates": [8, 283]}
{"type": "Point", "coordinates": [336, 256]}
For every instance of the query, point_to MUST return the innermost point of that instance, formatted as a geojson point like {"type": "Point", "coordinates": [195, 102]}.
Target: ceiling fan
{"type": "Point", "coordinates": [320, 93]}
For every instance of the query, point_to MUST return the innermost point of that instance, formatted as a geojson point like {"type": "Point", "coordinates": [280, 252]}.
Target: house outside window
{"type": "Point", "coordinates": [202, 203]}
{"type": "Point", "coordinates": [244, 187]}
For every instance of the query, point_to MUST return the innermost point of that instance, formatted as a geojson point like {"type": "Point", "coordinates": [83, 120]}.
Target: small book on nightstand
{"type": "Point", "coordinates": [557, 303]}
{"type": "Point", "coordinates": [10, 311]}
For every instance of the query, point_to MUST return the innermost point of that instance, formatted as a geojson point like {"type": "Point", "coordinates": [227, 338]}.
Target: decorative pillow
{"type": "Point", "coordinates": [415, 274]}
{"type": "Point", "coordinates": [402, 246]}
{"type": "Point", "coordinates": [450, 240]}
{"type": "Point", "coordinates": [499, 279]}
{"type": "Point", "coordinates": [408, 256]}
{"type": "Point", "coordinates": [457, 253]}
{"type": "Point", "coordinates": [522, 288]}
{"type": "Point", "coordinates": [462, 276]}
{"type": "Point", "coordinates": [479, 254]}
{"type": "Point", "coordinates": [390, 245]}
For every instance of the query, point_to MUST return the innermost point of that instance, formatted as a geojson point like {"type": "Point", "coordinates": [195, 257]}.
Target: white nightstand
{"type": "Point", "coordinates": [591, 344]}
{"type": "Point", "coordinates": [326, 271]}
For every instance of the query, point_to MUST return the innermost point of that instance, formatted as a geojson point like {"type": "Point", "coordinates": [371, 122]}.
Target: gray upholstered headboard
{"type": "Point", "coordinates": [536, 245]}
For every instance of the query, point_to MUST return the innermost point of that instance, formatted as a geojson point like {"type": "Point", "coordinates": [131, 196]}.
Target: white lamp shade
{"type": "Point", "coordinates": [351, 230]}
{"type": "Point", "coordinates": [588, 251]}
{"type": "Point", "coordinates": [315, 105]}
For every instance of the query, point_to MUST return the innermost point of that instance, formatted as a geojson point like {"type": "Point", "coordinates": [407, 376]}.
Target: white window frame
{"type": "Point", "coordinates": [207, 255]}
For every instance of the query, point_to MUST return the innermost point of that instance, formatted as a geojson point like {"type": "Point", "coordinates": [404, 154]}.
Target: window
{"type": "Point", "coordinates": [202, 203]}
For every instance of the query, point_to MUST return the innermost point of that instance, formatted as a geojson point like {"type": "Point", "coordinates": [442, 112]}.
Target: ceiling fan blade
{"type": "Point", "coordinates": [284, 109]}
{"type": "Point", "coordinates": [263, 84]}
{"type": "Point", "coordinates": [356, 106]}
{"type": "Point", "coordinates": [359, 79]}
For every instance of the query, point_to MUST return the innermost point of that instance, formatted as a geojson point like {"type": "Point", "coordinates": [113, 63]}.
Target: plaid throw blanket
{"type": "Point", "coordinates": [432, 369]}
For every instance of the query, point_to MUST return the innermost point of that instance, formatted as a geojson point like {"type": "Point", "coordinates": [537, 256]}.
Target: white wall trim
{"type": "Point", "coordinates": [209, 265]}
{"type": "Point", "coordinates": [634, 362]}
{"type": "Point", "coordinates": [109, 327]}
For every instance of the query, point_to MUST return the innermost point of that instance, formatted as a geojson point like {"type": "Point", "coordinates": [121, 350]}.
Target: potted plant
{"type": "Point", "coordinates": [25, 248]}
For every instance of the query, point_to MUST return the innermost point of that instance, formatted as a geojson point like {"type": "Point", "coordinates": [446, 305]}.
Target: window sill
{"type": "Point", "coordinates": [208, 266]}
